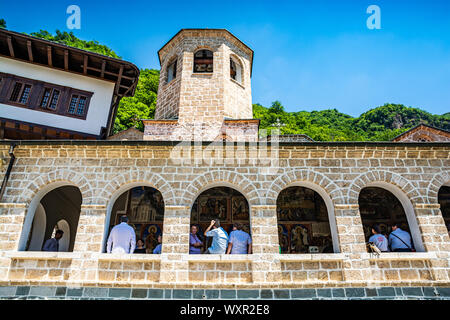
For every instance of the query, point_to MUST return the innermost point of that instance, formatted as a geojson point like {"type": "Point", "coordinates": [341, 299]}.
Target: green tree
{"type": "Point", "coordinates": [379, 124]}
{"type": "Point", "coordinates": [2, 23]}
{"type": "Point", "coordinates": [141, 106]}
{"type": "Point", "coordinates": [70, 39]}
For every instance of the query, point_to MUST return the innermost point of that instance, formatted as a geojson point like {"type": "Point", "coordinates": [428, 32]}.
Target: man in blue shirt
{"type": "Point", "coordinates": [158, 248]}
{"type": "Point", "coordinates": [378, 239]}
{"type": "Point", "coordinates": [195, 244]}
{"type": "Point", "coordinates": [240, 241]}
{"type": "Point", "coordinates": [399, 240]}
{"type": "Point", "coordinates": [53, 243]}
{"type": "Point", "coordinates": [220, 238]}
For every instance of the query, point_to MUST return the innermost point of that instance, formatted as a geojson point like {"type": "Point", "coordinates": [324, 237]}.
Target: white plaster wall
{"type": "Point", "coordinates": [97, 116]}
{"type": "Point", "coordinates": [65, 240]}
{"type": "Point", "coordinates": [40, 220]}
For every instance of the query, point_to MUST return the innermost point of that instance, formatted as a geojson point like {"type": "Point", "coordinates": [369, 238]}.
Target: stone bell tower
{"type": "Point", "coordinates": [204, 88]}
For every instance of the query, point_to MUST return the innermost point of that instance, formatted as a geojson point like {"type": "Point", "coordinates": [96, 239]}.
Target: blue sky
{"type": "Point", "coordinates": [310, 55]}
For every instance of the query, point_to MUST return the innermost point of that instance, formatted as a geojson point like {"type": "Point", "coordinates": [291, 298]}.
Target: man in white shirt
{"type": "Point", "coordinates": [122, 238]}
{"type": "Point", "coordinates": [220, 238]}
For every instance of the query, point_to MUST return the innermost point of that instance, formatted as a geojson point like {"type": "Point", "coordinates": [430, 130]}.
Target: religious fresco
{"type": "Point", "coordinates": [145, 204]}
{"type": "Point", "coordinates": [223, 203]}
{"type": "Point", "coordinates": [303, 225]}
{"type": "Point", "coordinates": [144, 207]}
{"type": "Point", "coordinates": [215, 207]}
{"type": "Point", "coordinates": [149, 235]}
{"type": "Point", "coordinates": [379, 206]}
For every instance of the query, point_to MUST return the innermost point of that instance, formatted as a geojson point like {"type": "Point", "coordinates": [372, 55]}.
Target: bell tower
{"type": "Point", "coordinates": [205, 82]}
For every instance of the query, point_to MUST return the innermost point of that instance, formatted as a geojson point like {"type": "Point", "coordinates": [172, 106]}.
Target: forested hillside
{"type": "Point", "coordinates": [378, 124]}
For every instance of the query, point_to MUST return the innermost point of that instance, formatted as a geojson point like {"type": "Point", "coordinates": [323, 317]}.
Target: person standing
{"type": "Point", "coordinates": [158, 248]}
{"type": "Point", "coordinates": [195, 244]}
{"type": "Point", "coordinates": [140, 248]}
{"type": "Point", "coordinates": [53, 243]}
{"type": "Point", "coordinates": [220, 238]}
{"type": "Point", "coordinates": [378, 239]}
{"type": "Point", "coordinates": [240, 241]}
{"type": "Point", "coordinates": [122, 238]}
{"type": "Point", "coordinates": [400, 240]}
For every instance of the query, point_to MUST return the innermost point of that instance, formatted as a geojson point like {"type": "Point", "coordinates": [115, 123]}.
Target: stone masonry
{"type": "Point", "coordinates": [104, 169]}
{"type": "Point", "coordinates": [201, 101]}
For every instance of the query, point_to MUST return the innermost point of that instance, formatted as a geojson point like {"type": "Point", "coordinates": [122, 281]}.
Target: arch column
{"type": "Point", "coordinates": [12, 217]}
{"type": "Point", "coordinates": [90, 230]}
{"type": "Point", "coordinates": [435, 238]}
{"type": "Point", "coordinates": [175, 244]}
{"type": "Point", "coordinates": [352, 243]}
{"type": "Point", "coordinates": [266, 267]}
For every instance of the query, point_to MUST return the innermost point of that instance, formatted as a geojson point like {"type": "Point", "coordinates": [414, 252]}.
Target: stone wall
{"type": "Point", "coordinates": [338, 171]}
{"type": "Point", "coordinates": [204, 97]}
{"type": "Point", "coordinates": [229, 130]}
{"type": "Point", "coordinates": [199, 100]}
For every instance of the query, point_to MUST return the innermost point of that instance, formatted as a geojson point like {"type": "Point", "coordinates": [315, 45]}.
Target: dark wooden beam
{"type": "Point", "coordinates": [30, 50]}
{"type": "Point", "coordinates": [119, 79]}
{"type": "Point", "coordinates": [66, 60]}
{"type": "Point", "coordinates": [49, 56]}
{"type": "Point", "coordinates": [2, 130]}
{"type": "Point", "coordinates": [10, 46]}
{"type": "Point", "coordinates": [103, 69]}
{"type": "Point", "coordinates": [85, 64]}
{"type": "Point", "coordinates": [111, 73]}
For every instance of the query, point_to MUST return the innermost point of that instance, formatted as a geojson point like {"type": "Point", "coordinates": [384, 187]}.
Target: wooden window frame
{"type": "Point", "coordinates": [17, 102]}
{"type": "Point", "coordinates": [203, 58]}
{"type": "Point", "coordinates": [37, 93]}
{"type": "Point", "coordinates": [52, 90]}
{"type": "Point", "coordinates": [78, 93]}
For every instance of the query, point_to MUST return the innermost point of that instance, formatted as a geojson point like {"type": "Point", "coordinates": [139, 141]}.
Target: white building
{"type": "Point", "coordinates": [52, 91]}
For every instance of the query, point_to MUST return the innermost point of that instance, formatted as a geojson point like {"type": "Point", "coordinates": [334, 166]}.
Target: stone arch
{"type": "Point", "coordinates": [328, 203]}
{"type": "Point", "coordinates": [439, 179]}
{"type": "Point", "coordinates": [208, 54]}
{"type": "Point", "coordinates": [237, 59]}
{"type": "Point", "coordinates": [41, 186]}
{"type": "Point", "coordinates": [220, 179]}
{"type": "Point", "coordinates": [379, 176]}
{"type": "Point", "coordinates": [291, 178]}
{"type": "Point", "coordinates": [125, 181]}
{"type": "Point", "coordinates": [401, 188]}
{"type": "Point", "coordinates": [47, 182]}
{"type": "Point", "coordinates": [203, 47]}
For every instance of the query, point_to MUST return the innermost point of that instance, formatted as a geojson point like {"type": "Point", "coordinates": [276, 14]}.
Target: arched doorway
{"type": "Point", "coordinates": [144, 207]}
{"type": "Point", "coordinates": [384, 205]}
{"type": "Point", "coordinates": [223, 203]}
{"type": "Point", "coordinates": [444, 201]}
{"type": "Point", "coordinates": [60, 206]}
{"type": "Point", "coordinates": [304, 221]}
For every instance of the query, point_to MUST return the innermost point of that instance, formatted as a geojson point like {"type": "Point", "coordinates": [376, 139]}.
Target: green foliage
{"type": "Point", "coordinates": [70, 39]}
{"type": "Point", "coordinates": [380, 124]}
{"type": "Point", "coordinates": [142, 106]}
{"type": "Point", "coordinates": [2, 23]}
